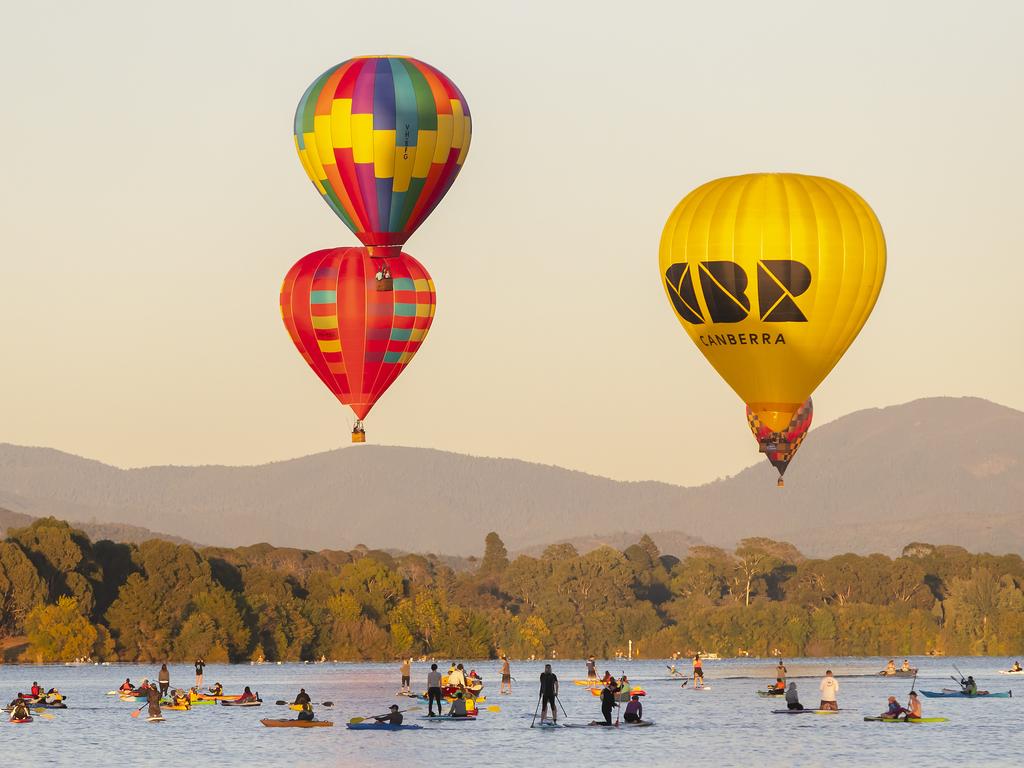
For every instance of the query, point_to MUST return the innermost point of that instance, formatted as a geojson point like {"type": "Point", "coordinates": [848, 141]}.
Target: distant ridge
{"type": "Point", "coordinates": [119, 532]}
{"type": "Point", "coordinates": [940, 470]}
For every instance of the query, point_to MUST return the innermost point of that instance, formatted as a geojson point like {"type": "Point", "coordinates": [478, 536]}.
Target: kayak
{"type": "Point", "coordinates": [949, 693]}
{"type": "Point", "coordinates": [1011, 671]}
{"type": "Point", "coordinates": [805, 711]}
{"type": "Point", "coordinates": [297, 723]}
{"type": "Point", "coordinates": [589, 683]}
{"type": "Point", "coordinates": [443, 718]}
{"type": "Point", "coordinates": [211, 697]}
{"type": "Point", "coordinates": [899, 673]}
{"type": "Point", "coordinates": [202, 702]}
{"type": "Point", "coordinates": [621, 695]}
{"type": "Point", "coordinates": [256, 703]}
{"type": "Point", "coordinates": [382, 727]}
{"type": "Point", "coordinates": [780, 692]}
{"type": "Point", "coordinates": [21, 719]}
{"type": "Point", "coordinates": [177, 707]}
{"type": "Point", "coordinates": [908, 720]}
{"type": "Point", "coordinates": [424, 698]}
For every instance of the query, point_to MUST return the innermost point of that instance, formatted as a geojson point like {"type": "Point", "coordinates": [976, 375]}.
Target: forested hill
{"type": "Point", "coordinates": [944, 470]}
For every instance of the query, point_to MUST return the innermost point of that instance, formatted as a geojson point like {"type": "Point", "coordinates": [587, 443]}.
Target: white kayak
{"type": "Point", "coordinates": [1011, 672]}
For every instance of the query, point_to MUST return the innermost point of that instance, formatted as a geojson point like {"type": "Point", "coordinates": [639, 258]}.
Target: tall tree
{"type": "Point", "coordinates": [495, 559]}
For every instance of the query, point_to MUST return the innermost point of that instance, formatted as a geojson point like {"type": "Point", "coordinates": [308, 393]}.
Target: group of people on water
{"type": "Point", "coordinates": [890, 668]}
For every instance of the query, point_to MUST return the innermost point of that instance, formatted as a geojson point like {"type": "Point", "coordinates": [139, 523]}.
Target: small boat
{"type": "Point", "coordinates": [297, 723]}
{"type": "Point", "coordinates": [1011, 671]}
{"type": "Point", "coordinates": [590, 683]}
{"type": "Point", "coordinates": [772, 692]}
{"type": "Point", "coordinates": [899, 673]}
{"type": "Point", "coordinates": [255, 703]}
{"type": "Point", "coordinates": [906, 720]}
{"type": "Point", "coordinates": [949, 693]}
{"type": "Point", "coordinates": [382, 727]}
{"type": "Point", "coordinates": [621, 695]}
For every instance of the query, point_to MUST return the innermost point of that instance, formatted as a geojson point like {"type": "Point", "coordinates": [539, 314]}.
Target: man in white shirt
{"type": "Point", "coordinates": [829, 688]}
{"type": "Point", "coordinates": [457, 678]}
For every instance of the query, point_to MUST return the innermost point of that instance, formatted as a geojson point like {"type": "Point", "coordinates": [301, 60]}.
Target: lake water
{"type": "Point", "coordinates": [728, 725]}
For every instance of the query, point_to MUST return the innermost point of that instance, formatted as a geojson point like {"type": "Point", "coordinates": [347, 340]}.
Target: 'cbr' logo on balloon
{"type": "Point", "coordinates": [724, 287]}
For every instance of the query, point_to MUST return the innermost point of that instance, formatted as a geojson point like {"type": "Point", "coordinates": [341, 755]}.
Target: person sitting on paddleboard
{"type": "Point", "coordinates": [792, 699]}
{"type": "Point", "coordinates": [395, 717]}
{"type": "Point", "coordinates": [915, 706]}
{"type": "Point", "coordinates": [634, 711]}
{"type": "Point", "coordinates": [306, 713]}
{"type": "Point", "coordinates": [126, 686]}
{"type": "Point", "coordinates": [247, 695]}
{"type": "Point", "coordinates": [780, 684]}
{"type": "Point", "coordinates": [302, 697]}
{"type": "Point", "coordinates": [458, 706]}
{"type": "Point", "coordinates": [894, 710]}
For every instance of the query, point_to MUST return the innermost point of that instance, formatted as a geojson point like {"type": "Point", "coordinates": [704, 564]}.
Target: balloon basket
{"type": "Point", "coordinates": [358, 437]}
{"type": "Point", "coordinates": [780, 483]}
{"type": "Point", "coordinates": [385, 284]}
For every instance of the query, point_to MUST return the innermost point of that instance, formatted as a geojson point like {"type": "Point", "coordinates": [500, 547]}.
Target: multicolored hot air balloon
{"type": "Point", "coordinates": [357, 320]}
{"type": "Point", "coordinates": [772, 275]}
{"type": "Point", "coordinates": [781, 447]}
{"type": "Point", "coordinates": [382, 138]}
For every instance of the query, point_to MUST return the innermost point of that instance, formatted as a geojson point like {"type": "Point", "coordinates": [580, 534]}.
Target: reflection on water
{"type": "Point", "coordinates": [725, 726]}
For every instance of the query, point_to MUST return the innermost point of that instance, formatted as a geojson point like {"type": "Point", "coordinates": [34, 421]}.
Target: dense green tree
{"type": "Point", "coordinates": [495, 559]}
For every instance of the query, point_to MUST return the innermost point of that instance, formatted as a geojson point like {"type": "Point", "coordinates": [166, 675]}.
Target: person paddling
{"type": "Point", "coordinates": [506, 676]}
{"type": "Point", "coordinates": [405, 670]}
{"type": "Point", "coordinates": [1016, 667]}
{"type": "Point", "coordinates": [591, 668]}
{"type": "Point", "coordinates": [548, 693]}
{"type": "Point", "coordinates": [607, 702]}
{"type": "Point", "coordinates": [434, 691]}
{"type": "Point", "coordinates": [19, 710]}
{"type": "Point", "coordinates": [394, 717]}
{"type": "Point", "coordinates": [306, 713]}
{"type": "Point", "coordinates": [914, 707]}
{"type": "Point", "coordinates": [792, 699]}
{"type": "Point", "coordinates": [698, 672]}
{"type": "Point", "coordinates": [247, 696]}
{"type": "Point", "coordinates": [153, 699]}
{"type": "Point", "coordinates": [970, 687]}
{"type": "Point", "coordinates": [126, 686]}
{"type": "Point", "coordinates": [829, 688]}
{"type": "Point", "coordinates": [780, 671]}
{"type": "Point", "coordinates": [164, 679]}
{"type": "Point", "coordinates": [302, 697]}
{"type": "Point", "coordinates": [634, 711]}
{"type": "Point", "coordinates": [200, 666]}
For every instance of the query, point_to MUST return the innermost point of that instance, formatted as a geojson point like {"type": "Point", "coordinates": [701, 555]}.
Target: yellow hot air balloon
{"type": "Point", "coordinates": [773, 275]}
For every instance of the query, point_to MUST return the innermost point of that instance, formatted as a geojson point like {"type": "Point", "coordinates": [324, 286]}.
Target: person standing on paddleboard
{"type": "Point", "coordinates": [153, 699]}
{"type": "Point", "coordinates": [608, 701]}
{"type": "Point", "coordinates": [506, 675]}
{"type": "Point", "coordinates": [780, 671]}
{"type": "Point", "coordinates": [200, 665]}
{"type": "Point", "coordinates": [434, 690]}
{"type": "Point", "coordinates": [591, 669]}
{"type": "Point", "coordinates": [164, 679]}
{"type": "Point", "coordinates": [406, 671]}
{"type": "Point", "coordinates": [829, 687]}
{"type": "Point", "coordinates": [548, 693]}
{"type": "Point", "coordinates": [698, 672]}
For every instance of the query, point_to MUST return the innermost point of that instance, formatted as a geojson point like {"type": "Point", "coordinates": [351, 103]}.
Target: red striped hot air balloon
{"type": "Point", "coordinates": [382, 138]}
{"type": "Point", "coordinates": [357, 320]}
{"type": "Point", "coordinates": [781, 447]}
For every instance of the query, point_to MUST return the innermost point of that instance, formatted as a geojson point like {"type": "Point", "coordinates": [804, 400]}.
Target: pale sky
{"type": "Point", "coordinates": [153, 202]}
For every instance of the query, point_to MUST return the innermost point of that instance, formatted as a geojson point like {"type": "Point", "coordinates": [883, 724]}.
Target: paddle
{"type": "Point", "coordinates": [535, 711]}
{"type": "Point", "coordinates": [136, 712]}
{"type": "Point", "coordinates": [44, 715]}
{"type": "Point", "coordinates": [281, 702]}
{"type": "Point", "coordinates": [356, 720]}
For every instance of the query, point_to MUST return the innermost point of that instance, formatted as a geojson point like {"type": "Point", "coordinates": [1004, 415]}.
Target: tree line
{"type": "Point", "coordinates": [70, 598]}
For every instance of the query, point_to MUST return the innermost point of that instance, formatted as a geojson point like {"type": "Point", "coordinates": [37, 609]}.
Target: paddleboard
{"type": "Point", "coordinates": [155, 719]}
{"type": "Point", "coordinates": [805, 711]}
{"type": "Point", "coordinates": [910, 720]}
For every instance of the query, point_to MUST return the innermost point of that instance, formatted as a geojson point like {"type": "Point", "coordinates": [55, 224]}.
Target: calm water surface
{"type": "Point", "coordinates": [727, 725]}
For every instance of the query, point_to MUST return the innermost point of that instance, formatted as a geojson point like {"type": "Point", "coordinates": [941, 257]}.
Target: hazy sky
{"type": "Point", "coordinates": [152, 202]}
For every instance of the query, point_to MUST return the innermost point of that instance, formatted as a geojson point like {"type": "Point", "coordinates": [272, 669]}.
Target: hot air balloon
{"type": "Point", "coordinates": [781, 447]}
{"type": "Point", "coordinates": [356, 335]}
{"type": "Point", "coordinates": [772, 275]}
{"type": "Point", "coordinates": [382, 138]}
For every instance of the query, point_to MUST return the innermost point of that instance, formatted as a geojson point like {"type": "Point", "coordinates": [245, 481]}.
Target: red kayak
{"type": "Point", "coordinates": [21, 720]}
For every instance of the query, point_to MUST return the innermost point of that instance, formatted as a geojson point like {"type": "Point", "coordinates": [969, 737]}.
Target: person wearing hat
{"type": "Point", "coordinates": [634, 710]}
{"type": "Point", "coordinates": [394, 718]}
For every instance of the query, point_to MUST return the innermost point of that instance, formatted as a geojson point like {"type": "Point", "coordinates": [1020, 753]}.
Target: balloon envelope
{"type": "Point", "coordinates": [780, 447]}
{"type": "Point", "coordinates": [382, 138]}
{"type": "Point", "coordinates": [772, 276]}
{"type": "Point", "coordinates": [356, 337]}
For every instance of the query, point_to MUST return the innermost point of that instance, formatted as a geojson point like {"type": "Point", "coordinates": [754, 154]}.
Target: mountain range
{"type": "Point", "coordinates": [939, 470]}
